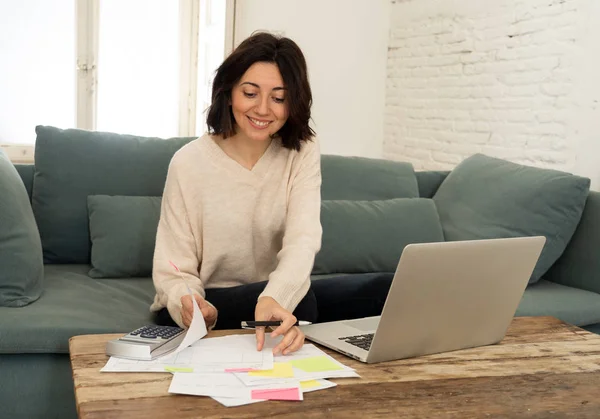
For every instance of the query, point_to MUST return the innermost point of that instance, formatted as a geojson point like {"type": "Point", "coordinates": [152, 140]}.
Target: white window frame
{"type": "Point", "coordinates": [87, 27]}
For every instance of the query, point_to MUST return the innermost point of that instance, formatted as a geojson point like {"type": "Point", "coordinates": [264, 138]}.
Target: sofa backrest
{"type": "Point", "coordinates": [429, 181]}
{"type": "Point", "coordinates": [72, 164]}
{"type": "Point", "coordinates": [26, 172]}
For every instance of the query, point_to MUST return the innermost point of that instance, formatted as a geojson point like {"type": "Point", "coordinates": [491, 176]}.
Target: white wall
{"type": "Point", "coordinates": [345, 44]}
{"type": "Point", "coordinates": [516, 79]}
{"type": "Point", "coordinates": [586, 109]}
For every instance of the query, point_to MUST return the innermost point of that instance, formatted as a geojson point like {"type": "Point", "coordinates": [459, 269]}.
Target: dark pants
{"type": "Point", "coordinates": [351, 297]}
{"type": "Point", "coordinates": [236, 304]}
{"type": "Point", "coordinates": [341, 298]}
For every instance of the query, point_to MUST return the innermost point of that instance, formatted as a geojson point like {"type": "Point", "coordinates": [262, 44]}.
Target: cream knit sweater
{"type": "Point", "coordinates": [224, 225]}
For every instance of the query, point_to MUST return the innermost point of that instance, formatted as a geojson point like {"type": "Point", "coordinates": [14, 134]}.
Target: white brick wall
{"type": "Point", "coordinates": [503, 78]}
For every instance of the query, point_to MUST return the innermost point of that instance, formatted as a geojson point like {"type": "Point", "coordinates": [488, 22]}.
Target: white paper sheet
{"type": "Point", "coordinates": [197, 329]}
{"type": "Point", "coordinates": [234, 402]}
{"type": "Point", "coordinates": [229, 402]}
{"type": "Point", "coordinates": [221, 385]}
{"type": "Point", "coordinates": [205, 355]}
{"type": "Point", "coordinates": [322, 385]}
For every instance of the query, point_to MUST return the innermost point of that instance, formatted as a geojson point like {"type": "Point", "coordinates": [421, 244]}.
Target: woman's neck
{"type": "Point", "coordinates": [243, 150]}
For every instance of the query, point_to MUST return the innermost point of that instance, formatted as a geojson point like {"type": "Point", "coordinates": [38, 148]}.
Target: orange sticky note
{"type": "Point", "coordinates": [280, 370]}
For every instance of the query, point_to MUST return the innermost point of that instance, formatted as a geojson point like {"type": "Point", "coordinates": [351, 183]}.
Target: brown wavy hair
{"type": "Point", "coordinates": [287, 56]}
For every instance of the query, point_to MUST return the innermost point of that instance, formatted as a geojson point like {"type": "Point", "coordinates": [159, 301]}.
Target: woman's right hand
{"type": "Point", "coordinates": [187, 310]}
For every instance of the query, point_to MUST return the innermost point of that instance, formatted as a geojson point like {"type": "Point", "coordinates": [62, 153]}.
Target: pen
{"type": "Point", "coordinates": [251, 324]}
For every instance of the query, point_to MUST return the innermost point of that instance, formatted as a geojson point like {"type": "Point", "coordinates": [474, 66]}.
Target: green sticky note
{"type": "Point", "coordinates": [316, 364]}
{"type": "Point", "coordinates": [179, 369]}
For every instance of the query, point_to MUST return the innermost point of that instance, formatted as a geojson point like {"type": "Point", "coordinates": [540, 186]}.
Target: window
{"type": "Point", "coordinates": [140, 67]}
{"type": "Point", "coordinates": [37, 74]}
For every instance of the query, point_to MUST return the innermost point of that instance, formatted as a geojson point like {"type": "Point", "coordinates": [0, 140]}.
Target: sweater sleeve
{"type": "Point", "coordinates": [290, 281]}
{"type": "Point", "coordinates": [175, 242]}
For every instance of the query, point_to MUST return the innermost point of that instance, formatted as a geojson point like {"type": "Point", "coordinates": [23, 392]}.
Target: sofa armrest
{"type": "Point", "coordinates": [579, 265]}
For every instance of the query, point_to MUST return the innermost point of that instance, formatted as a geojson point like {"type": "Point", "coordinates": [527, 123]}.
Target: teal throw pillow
{"type": "Point", "coordinates": [21, 262]}
{"type": "Point", "coordinates": [369, 236]}
{"type": "Point", "coordinates": [363, 179]}
{"type": "Point", "coordinates": [123, 234]}
{"type": "Point", "coordinates": [486, 198]}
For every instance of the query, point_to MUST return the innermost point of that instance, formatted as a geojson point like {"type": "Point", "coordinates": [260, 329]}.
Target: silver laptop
{"type": "Point", "coordinates": [444, 296]}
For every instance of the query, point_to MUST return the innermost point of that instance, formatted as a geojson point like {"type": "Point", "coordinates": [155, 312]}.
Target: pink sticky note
{"type": "Point", "coordinates": [276, 394]}
{"type": "Point", "coordinates": [239, 369]}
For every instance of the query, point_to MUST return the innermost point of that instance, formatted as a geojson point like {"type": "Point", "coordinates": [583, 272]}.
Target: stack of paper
{"type": "Point", "coordinates": [230, 370]}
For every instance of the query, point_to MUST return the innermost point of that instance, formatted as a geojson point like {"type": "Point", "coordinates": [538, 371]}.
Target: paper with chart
{"type": "Point", "coordinates": [308, 366]}
{"type": "Point", "coordinates": [309, 363]}
{"type": "Point", "coordinates": [206, 355]}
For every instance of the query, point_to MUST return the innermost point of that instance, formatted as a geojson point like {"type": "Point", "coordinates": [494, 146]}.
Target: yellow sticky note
{"type": "Point", "coordinates": [316, 364]}
{"type": "Point", "coordinates": [309, 384]}
{"type": "Point", "coordinates": [179, 369]}
{"type": "Point", "coordinates": [280, 370]}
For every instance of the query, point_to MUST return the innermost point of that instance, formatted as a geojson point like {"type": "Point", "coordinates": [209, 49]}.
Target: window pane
{"type": "Point", "coordinates": [138, 67]}
{"type": "Point", "coordinates": [37, 71]}
{"type": "Point", "coordinates": [211, 51]}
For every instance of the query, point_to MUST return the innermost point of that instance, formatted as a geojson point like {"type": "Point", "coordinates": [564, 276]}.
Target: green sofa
{"type": "Point", "coordinates": [71, 165]}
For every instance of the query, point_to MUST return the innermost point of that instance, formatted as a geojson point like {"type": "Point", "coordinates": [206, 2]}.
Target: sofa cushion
{"type": "Point", "coordinates": [594, 328]}
{"type": "Point", "coordinates": [579, 265]}
{"type": "Point", "coordinates": [21, 264]}
{"type": "Point", "coordinates": [369, 236]}
{"type": "Point", "coordinates": [486, 197]}
{"type": "Point", "coordinates": [568, 304]}
{"type": "Point", "coordinates": [72, 164]}
{"type": "Point", "coordinates": [26, 172]}
{"type": "Point", "coordinates": [123, 233]}
{"type": "Point", "coordinates": [429, 181]}
{"type": "Point", "coordinates": [75, 304]}
{"type": "Point", "coordinates": [359, 178]}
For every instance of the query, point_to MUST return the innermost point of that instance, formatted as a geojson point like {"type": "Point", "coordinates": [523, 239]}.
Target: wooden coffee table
{"type": "Point", "coordinates": [543, 368]}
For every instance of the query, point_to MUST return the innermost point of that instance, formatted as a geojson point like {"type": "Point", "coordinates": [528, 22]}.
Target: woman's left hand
{"type": "Point", "coordinates": [293, 338]}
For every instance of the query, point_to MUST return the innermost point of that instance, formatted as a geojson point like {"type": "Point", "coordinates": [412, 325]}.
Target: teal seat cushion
{"type": "Point", "coordinates": [75, 304]}
{"type": "Point", "coordinates": [568, 304]}
{"type": "Point", "coordinates": [369, 236]}
{"type": "Point", "coordinates": [486, 198]}
{"type": "Point", "coordinates": [123, 233]}
{"type": "Point", "coordinates": [21, 264]}
{"type": "Point", "coordinates": [359, 178]}
{"type": "Point", "coordinates": [72, 164]}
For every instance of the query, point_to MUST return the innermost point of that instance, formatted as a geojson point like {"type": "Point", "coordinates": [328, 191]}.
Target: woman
{"type": "Point", "coordinates": [240, 213]}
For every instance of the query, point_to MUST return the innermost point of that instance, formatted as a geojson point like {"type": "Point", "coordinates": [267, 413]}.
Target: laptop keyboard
{"type": "Point", "coordinates": [362, 341]}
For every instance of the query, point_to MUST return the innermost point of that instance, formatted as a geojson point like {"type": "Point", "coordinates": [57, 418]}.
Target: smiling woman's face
{"type": "Point", "coordinates": [259, 102]}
